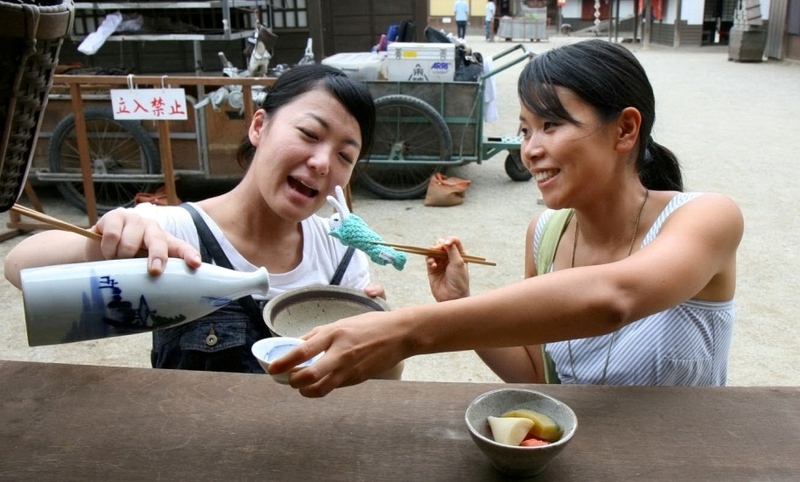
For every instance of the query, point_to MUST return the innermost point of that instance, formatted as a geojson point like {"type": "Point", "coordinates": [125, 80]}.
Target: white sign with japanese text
{"type": "Point", "coordinates": [149, 104]}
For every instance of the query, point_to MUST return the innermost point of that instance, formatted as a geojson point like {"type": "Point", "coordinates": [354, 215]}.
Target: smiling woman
{"type": "Point", "coordinates": [304, 140]}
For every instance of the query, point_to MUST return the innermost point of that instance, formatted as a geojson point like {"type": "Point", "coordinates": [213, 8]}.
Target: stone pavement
{"type": "Point", "coordinates": [733, 125]}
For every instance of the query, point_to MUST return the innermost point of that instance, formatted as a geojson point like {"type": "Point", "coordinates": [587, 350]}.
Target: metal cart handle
{"type": "Point", "coordinates": [526, 54]}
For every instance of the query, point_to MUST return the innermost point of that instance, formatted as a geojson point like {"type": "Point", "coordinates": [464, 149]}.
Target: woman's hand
{"type": "Point", "coordinates": [448, 277]}
{"type": "Point", "coordinates": [356, 349]}
{"type": "Point", "coordinates": [125, 234]}
{"type": "Point", "coordinates": [375, 291]}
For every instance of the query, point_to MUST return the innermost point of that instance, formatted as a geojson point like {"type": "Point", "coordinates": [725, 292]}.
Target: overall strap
{"type": "Point", "coordinates": [218, 255]}
{"type": "Point", "coordinates": [339, 274]}
{"type": "Point", "coordinates": [554, 227]}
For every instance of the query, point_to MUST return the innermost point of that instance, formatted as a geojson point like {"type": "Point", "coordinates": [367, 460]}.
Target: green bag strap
{"type": "Point", "coordinates": [551, 235]}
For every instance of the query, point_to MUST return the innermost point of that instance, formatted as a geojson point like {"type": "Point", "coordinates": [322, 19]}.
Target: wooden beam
{"type": "Point", "coordinates": [83, 152]}
{"type": "Point", "coordinates": [165, 144]}
{"type": "Point", "coordinates": [676, 42]}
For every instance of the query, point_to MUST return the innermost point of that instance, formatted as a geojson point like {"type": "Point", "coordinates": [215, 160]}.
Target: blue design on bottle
{"type": "Point", "coordinates": [121, 313]}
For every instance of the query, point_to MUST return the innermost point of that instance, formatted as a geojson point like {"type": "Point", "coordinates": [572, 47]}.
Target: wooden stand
{"type": "Point", "coordinates": [76, 82]}
{"type": "Point", "coordinates": [747, 45]}
{"type": "Point", "coordinates": [17, 225]}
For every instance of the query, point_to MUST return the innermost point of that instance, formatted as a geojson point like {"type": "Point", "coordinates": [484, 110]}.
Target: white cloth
{"type": "Point", "coordinates": [490, 113]}
{"type": "Point", "coordinates": [321, 252]}
{"type": "Point", "coordinates": [92, 43]}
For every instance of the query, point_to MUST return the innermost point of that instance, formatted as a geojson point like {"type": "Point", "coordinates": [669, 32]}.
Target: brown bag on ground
{"type": "Point", "coordinates": [159, 197]}
{"type": "Point", "coordinates": [446, 191]}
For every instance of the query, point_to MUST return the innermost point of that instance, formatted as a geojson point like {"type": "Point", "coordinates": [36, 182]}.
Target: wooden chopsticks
{"type": "Point", "coordinates": [436, 253]}
{"type": "Point", "coordinates": [55, 222]}
{"type": "Point", "coordinates": [63, 225]}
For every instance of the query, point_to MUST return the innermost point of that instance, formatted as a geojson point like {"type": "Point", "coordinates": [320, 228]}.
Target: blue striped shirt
{"type": "Point", "coordinates": [687, 344]}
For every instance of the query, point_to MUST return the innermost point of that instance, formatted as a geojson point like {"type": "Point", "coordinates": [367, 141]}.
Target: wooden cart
{"type": "Point", "coordinates": [425, 127]}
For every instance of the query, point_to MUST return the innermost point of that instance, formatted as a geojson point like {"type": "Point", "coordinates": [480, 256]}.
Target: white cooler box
{"type": "Point", "coordinates": [358, 65]}
{"type": "Point", "coordinates": [425, 62]}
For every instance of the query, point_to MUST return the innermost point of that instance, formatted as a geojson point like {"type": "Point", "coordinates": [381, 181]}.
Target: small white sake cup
{"type": "Point", "coordinates": [268, 350]}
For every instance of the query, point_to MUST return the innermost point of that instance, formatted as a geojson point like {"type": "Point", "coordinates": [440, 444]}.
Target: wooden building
{"type": "Point", "coordinates": [187, 36]}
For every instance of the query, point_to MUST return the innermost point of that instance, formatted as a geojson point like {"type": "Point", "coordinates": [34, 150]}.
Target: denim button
{"type": "Point", "coordinates": [211, 339]}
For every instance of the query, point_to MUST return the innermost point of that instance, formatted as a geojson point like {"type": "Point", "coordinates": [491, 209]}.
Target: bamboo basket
{"type": "Point", "coordinates": [31, 34]}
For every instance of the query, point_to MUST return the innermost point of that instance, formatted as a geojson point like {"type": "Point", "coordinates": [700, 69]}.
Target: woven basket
{"type": "Point", "coordinates": [31, 33]}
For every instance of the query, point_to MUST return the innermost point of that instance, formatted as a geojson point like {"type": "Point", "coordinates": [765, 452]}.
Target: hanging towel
{"type": "Point", "coordinates": [490, 113]}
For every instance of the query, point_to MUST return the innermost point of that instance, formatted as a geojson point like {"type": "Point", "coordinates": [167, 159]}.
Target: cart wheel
{"type": "Point", "coordinates": [115, 147]}
{"type": "Point", "coordinates": [412, 136]}
{"type": "Point", "coordinates": [515, 169]}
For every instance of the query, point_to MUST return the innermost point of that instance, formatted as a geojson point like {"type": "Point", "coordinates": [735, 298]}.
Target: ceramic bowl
{"type": "Point", "coordinates": [508, 459]}
{"type": "Point", "coordinates": [270, 349]}
{"type": "Point", "coordinates": [296, 312]}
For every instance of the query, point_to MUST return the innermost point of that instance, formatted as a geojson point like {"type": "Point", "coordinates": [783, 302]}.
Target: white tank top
{"type": "Point", "coordinates": [687, 344]}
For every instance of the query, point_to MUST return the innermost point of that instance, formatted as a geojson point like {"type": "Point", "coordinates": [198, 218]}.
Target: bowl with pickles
{"type": "Point", "coordinates": [519, 430]}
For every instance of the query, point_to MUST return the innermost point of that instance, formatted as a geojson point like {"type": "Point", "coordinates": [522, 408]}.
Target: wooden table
{"type": "Point", "coordinates": [67, 422]}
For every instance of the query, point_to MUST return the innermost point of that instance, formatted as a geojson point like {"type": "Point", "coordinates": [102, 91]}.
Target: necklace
{"type": "Point", "coordinates": [572, 265]}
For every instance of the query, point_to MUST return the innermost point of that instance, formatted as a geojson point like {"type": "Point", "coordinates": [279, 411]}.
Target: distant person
{"type": "Point", "coordinates": [635, 278]}
{"type": "Point", "coordinates": [461, 10]}
{"type": "Point", "coordinates": [488, 22]}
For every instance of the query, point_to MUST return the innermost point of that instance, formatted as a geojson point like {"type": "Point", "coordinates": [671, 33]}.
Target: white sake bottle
{"type": "Point", "coordinates": [85, 301]}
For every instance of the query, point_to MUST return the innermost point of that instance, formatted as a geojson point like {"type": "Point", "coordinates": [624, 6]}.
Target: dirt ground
{"type": "Point", "coordinates": [733, 125]}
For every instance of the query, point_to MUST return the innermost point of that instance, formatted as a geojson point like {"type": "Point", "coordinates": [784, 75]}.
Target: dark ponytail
{"type": "Point", "coordinates": [608, 77]}
{"type": "Point", "coordinates": [658, 168]}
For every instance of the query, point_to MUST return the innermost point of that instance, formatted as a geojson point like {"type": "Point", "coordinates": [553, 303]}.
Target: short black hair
{"type": "Point", "coordinates": [352, 94]}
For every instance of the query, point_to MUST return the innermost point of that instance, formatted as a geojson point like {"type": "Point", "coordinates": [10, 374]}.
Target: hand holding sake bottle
{"type": "Point", "coordinates": [85, 301]}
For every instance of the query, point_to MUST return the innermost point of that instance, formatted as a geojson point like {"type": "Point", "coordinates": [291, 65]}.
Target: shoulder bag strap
{"type": "Point", "coordinates": [551, 235]}
{"type": "Point", "coordinates": [218, 255]}
{"type": "Point", "coordinates": [546, 252]}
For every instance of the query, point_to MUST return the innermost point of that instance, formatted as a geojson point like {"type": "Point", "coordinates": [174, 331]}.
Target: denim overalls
{"type": "Point", "coordinates": [219, 341]}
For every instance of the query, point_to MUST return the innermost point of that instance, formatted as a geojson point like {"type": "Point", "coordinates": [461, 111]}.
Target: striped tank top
{"type": "Point", "coordinates": [687, 344]}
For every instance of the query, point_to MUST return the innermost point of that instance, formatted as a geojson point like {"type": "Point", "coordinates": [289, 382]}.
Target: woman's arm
{"type": "Point", "coordinates": [518, 364]}
{"type": "Point", "coordinates": [44, 249]}
{"type": "Point", "coordinates": [693, 249]}
{"type": "Point", "coordinates": [124, 234]}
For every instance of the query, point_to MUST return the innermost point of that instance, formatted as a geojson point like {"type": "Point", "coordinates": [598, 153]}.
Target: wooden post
{"type": "Point", "coordinates": [249, 108]}
{"type": "Point", "coordinates": [648, 24]}
{"type": "Point", "coordinates": [83, 152]}
{"type": "Point", "coordinates": [676, 42]}
{"type": "Point", "coordinates": [165, 144]}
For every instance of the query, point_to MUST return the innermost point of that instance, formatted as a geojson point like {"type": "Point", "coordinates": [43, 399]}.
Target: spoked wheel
{"type": "Point", "coordinates": [515, 169]}
{"type": "Point", "coordinates": [115, 148]}
{"type": "Point", "coordinates": [411, 140]}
